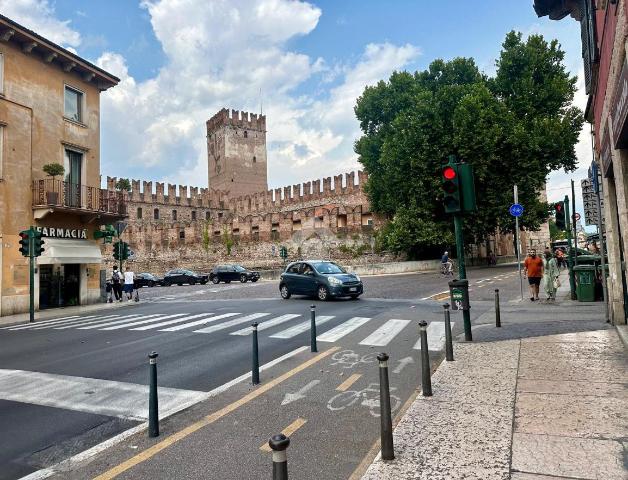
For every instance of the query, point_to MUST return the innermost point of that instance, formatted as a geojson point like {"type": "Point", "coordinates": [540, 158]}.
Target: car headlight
{"type": "Point", "coordinates": [357, 277]}
{"type": "Point", "coordinates": [335, 281]}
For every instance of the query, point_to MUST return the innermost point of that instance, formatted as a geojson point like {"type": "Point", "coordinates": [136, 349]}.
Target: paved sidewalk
{"type": "Point", "coordinates": [544, 397]}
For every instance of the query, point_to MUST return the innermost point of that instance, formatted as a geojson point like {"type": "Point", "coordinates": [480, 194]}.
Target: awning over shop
{"type": "Point", "coordinates": [57, 250]}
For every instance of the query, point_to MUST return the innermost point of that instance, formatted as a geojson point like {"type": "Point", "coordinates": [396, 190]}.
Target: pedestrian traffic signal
{"type": "Point", "coordinates": [451, 186]}
{"type": "Point", "coordinates": [283, 252]}
{"type": "Point", "coordinates": [559, 208]}
{"type": "Point", "coordinates": [38, 244]}
{"type": "Point", "coordinates": [25, 243]}
{"type": "Point", "coordinates": [121, 250]}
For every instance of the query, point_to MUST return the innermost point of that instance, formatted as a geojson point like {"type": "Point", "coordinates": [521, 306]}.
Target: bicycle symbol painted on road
{"type": "Point", "coordinates": [349, 359]}
{"type": "Point", "coordinates": [369, 398]}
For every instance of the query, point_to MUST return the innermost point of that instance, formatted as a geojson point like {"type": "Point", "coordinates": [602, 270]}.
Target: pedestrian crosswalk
{"type": "Point", "coordinates": [283, 326]}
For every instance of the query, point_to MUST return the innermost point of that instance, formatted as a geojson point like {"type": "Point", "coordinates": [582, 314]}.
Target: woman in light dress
{"type": "Point", "coordinates": [550, 275]}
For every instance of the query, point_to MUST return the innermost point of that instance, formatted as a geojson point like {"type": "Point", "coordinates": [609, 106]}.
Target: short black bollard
{"type": "Point", "coordinates": [449, 345]}
{"type": "Point", "coordinates": [498, 318]}
{"type": "Point", "coordinates": [313, 346]}
{"type": "Point", "coordinates": [388, 452]}
{"type": "Point", "coordinates": [255, 357]}
{"type": "Point", "coordinates": [153, 408]}
{"type": "Point", "coordinates": [426, 378]}
{"type": "Point", "coordinates": [279, 444]}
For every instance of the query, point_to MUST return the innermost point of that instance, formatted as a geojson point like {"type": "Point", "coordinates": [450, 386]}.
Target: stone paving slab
{"type": "Point", "coordinates": [571, 415]}
{"type": "Point", "coordinates": [482, 354]}
{"type": "Point", "coordinates": [580, 458]}
{"type": "Point", "coordinates": [606, 337]}
{"type": "Point", "coordinates": [618, 391]}
{"type": "Point", "coordinates": [532, 476]}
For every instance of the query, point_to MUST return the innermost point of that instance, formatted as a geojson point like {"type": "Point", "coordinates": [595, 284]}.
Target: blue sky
{"type": "Point", "coordinates": [182, 60]}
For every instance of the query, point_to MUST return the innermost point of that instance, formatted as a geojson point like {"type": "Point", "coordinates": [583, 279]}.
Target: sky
{"type": "Point", "coordinates": [302, 63]}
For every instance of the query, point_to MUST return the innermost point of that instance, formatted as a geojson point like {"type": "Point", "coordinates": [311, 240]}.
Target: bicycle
{"type": "Point", "coordinates": [447, 268]}
{"type": "Point", "coordinates": [350, 397]}
{"type": "Point", "coordinates": [349, 359]}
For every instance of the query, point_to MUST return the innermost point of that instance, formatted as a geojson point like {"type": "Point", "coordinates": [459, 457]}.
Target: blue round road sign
{"type": "Point", "coordinates": [516, 210]}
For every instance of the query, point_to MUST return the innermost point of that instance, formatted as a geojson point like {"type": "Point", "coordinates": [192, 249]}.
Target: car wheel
{"type": "Point", "coordinates": [192, 282]}
{"type": "Point", "coordinates": [322, 293]}
{"type": "Point", "coordinates": [254, 280]}
{"type": "Point", "coordinates": [215, 280]}
{"type": "Point", "coordinates": [203, 282]}
{"type": "Point", "coordinates": [151, 284]}
{"type": "Point", "coordinates": [243, 278]}
{"type": "Point", "coordinates": [285, 293]}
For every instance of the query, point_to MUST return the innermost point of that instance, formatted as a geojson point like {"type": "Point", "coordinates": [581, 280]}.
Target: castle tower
{"type": "Point", "coordinates": [236, 153]}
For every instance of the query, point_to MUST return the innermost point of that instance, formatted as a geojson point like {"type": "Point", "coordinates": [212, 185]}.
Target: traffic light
{"type": "Point", "coordinates": [559, 207]}
{"type": "Point", "coordinates": [38, 244]}
{"type": "Point", "coordinates": [117, 250]}
{"type": "Point", "coordinates": [451, 186]}
{"type": "Point", "coordinates": [25, 243]}
{"type": "Point", "coordinates": [467, 184]}
{"type": "Point", "coordinates": [283, 252]}
{"type": "Point", "coordinates": [125, 251]}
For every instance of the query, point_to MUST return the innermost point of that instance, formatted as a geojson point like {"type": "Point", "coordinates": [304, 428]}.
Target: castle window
{"type": "Point", "coordinates": [274, 232]}
{"type": "Point", "coordinates": [156, 214]}
{"type": "Point", "coordinates": [246, 134]}
{"type": "Point", "coordinates": [296, 225]}
{"type": "Point", "coordinates": [219, 214]}
{"type": "Point", "coordinates": [139, 213]}
{"type": "Point", "coordinates": [254, 159]}
{"type": "Point", "coordinates": [341, 221]}
{"type": "Point", "coordinates": [193, 214]}
{"type": "Point", "coordinates": [174, 215]}
{"type": "Point", "coordinates": [207, 215]}
{"type": "Point", "coordinates": [255, 233]}
{"type": "Point", "coordinates": [318, 222]}
{"type": "Point", "coordinates": [181, 234]}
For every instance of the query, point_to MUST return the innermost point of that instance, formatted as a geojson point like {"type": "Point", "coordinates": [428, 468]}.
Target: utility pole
{"type": "Point", "coordinates": [575, 230]}
{"type": "Point", "coordinates": [570, 264]}
{"type": "Point", "coordinates": [517, 246]}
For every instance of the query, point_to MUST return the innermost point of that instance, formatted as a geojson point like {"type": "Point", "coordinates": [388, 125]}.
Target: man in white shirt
{"type": "Point", "coordinates": [129, 278]}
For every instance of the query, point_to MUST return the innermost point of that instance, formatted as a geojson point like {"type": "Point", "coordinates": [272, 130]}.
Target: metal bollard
{"type": "Point", "coordinates": [255, 357]}
{"type": "Point", "coordinates": [388, 452]}
{"type": "Point", "coordinates": [153, 408]}
{"type": "Point", "coordinates": [449, 345]}
{"type": "Point", "coordinates": [313, 346]}
{"type": "Point", "coordinates": [498, 319]}
{"type": "Point", "coordinates": [279, 444]}
{"type": "Point", "coordinates": [426, 378]}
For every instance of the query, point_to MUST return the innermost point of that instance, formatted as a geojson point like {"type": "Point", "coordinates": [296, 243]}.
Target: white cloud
{"type": "Point", "coordinates": [222, 54]}
{"type": "Point", "coordinates": [39, 16]}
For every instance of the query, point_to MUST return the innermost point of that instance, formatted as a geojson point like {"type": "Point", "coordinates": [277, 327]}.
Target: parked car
{"type": "Point", "coordinates": [232, 273]}
{"type": "Point", "coordinates": [180, 276]}
{"type": "Point", "coordinates": [319, 278]}
{"type": "Point", "coordinates": [146, 280]}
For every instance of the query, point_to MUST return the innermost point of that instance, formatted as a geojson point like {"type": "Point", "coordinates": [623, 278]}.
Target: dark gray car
{"type": "Point", "coordinates": [320, 279]}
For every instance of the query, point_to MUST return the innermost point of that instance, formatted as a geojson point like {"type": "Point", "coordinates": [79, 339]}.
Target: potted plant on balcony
{"type": "Point", "coordinates": [53, 170]}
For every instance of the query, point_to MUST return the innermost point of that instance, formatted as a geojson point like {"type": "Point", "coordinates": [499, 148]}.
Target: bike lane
{"type": "Point", "coordinates": [328, 403]}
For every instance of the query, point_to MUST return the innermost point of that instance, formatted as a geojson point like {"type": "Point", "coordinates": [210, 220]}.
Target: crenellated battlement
{"type": "Point", "coordinates": [247, 120]}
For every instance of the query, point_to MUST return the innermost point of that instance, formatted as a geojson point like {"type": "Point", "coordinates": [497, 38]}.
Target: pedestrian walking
{"type": "Point", "coordinates": [129, 279]}
{"type": "Point", "coordinates": [560, 258]}
{"type": "Point", "coordinates": [116, 283]}
{"type": "Point", "coordinates": [533, 266]}
{"type": "Point", "coordinates": [550, 276]}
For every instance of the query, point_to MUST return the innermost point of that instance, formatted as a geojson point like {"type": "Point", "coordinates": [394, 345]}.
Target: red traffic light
{"type": "Point", "coordinates": [449, 173]}
{"type": "Point", "coordinates": [558, 207]}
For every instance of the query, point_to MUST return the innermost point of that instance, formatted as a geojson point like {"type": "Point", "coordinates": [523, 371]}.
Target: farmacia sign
{"type": "Point", "coordinates": [55, 232]}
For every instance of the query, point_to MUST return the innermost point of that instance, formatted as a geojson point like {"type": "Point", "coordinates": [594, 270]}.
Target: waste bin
{"type": "Point", "coordinates": [589, 259]}
{"type": "Point", "coordinates": [585, 282]}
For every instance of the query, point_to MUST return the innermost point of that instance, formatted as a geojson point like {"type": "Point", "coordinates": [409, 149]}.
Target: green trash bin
{"type": "Point", "coordinates": [589, 259]}
{"type": "Point", "coordinates": [585, 282]}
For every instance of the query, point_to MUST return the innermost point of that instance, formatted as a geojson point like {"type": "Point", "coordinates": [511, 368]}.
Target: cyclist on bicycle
{"type": "Point", "coordinates": [446, 265]}
{"type": "Point", "coordinates": [445, 258]}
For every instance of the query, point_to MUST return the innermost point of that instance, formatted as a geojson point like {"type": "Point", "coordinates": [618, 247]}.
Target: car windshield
{"type": "Point", "coordinates": [327, 268]}
{"type": "Point", "coordinates": [189, 272]}
{"type": "Point", "coordinates": [239, 268]}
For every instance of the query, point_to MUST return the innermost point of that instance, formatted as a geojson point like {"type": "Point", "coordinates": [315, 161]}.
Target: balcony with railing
{"type": "Point", "coordinates": [51, 195]}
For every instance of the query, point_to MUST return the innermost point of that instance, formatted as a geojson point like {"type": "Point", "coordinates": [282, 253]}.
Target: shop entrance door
{"type": "Point", "coordinates": [59, 286]}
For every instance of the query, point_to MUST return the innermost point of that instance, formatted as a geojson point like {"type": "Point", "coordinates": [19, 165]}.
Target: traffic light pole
{"type": "Point", "coordinates": [573, 218]}
{"type": "Point", "coordinates": [31, 261]}
{"type": "Point", "coordinates": [517, 246]}
{"type": "Point", "coordinates": [462, 271]}
{"type": "Point", "coordinates": [572, 279]}
{"type": "Point", "coordinates": [120, 253]}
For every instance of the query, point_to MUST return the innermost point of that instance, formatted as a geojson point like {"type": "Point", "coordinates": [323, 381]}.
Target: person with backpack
{"type": "Point", "coordinates": [116, 284]}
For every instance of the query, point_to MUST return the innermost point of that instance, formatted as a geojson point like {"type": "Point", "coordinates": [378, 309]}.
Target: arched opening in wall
{"type": "Point", "coordinates": [274, 231]}
{"type": "Point", "coordinates": [246, 134]}
{"type": "Point", "coordinates": [318, 222]}
{"type": "Point", "coordinates": [207, 215]}
{"type": "Point", "coordinates": [296, 225]}
{"type": "Point", "coordinates": [139, 213]}
{"type": "Point", "coordinates": [236, 234]}
{"type": "Point", "coordinates": [341, 223]}
{"type": "Point", "coordinates": [156, 214]}
{"type": "Point", "coordinates": [367, 222]}
{"type": "Point", "coordinates": [193, 215]}
{"type": "Point", "coordinates": [181, 234]}
{"type": "Point", "coordinates": [255, 233]}
{"type": "Point", "coordinates": [174, 215]}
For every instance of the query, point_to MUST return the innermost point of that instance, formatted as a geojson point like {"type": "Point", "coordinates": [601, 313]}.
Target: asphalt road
{"type": "Point", "coordinates": [92, 370]}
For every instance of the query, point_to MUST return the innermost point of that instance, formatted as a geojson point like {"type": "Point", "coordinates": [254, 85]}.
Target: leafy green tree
{"type": "Point", "coordinates": [206, 236]}
{"type": "Point", "coordinates": [514, 128]}
{"type": "Point", "coordinates": [123, 185]}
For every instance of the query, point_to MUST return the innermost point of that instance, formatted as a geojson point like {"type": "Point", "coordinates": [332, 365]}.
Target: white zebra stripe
{"type": "Point", "coordinates": [301, 327]}
{"type": "Point", "coordinates": [43, 322]}
{"type": "Point", "coordinates": [384, 334]}
{"type": "Point", "coordinates": [268, 324]}
{"type": "Point", "coordinates": [198, 322]}
{"type": "Point", "coordinates": [343, 329]}
{"type": "Point", "coordinates": [108, 318]}
{"type": "Point", "coordinates": [435, 336]}
{"type": "Point", "coordinates": [141, 322]}
{"type": "Point", "coordinates": [170, 322]}
{"type": "Point", "coordinates": [50, 324]}
{"type": "Point", "coordinates": [231, 323]}
{"type": "Point", "coordinates": [95, 325]}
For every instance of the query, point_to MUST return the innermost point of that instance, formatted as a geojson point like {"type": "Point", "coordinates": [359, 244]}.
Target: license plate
{"type": "Point", "coordinates": [353, 289]}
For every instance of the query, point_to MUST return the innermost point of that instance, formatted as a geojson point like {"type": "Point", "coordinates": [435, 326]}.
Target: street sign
{"type": "Point", "coordinates": [589, 202]}
{"type": "Point", "coordinates": [516, 210]}
{"type": "Point", "coordinates": [457, 297]}
{"type": "Point", "coordinates": [577, 216]}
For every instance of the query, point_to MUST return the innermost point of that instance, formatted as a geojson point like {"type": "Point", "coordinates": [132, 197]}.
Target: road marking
{"type": "Point", "coordinates": [170, 322]}
{"type": "Point", "coordinates": [81, 321]}
{"type": "Point", "coordinates": [402, 364]}
{"type": "Point", "coordinates": [267, 324]}
{"type": "Point", "coordinates": [344, 386]}
{"type": "Point", "coordinates": [93, 321]}
{"type": "Point", "coordinates": [50, 324]}
{"type": "Point", "coordinates": [343, 329]}
{"type": "Point", "coordinates": [384, 334]}
{"type": "Point", "coordinates": [91, 326]}
{"type": "Point", "coordinates": [299, 394]}
{"type": "Point", "coordinates": [27, 325]}
{"type": "Point", "coordinates": [288, 432]}
{"type": "Point", "coordinates": [231, 323]}
{"type": "Point", "coordinates": [301, 327]}
{"type": "Point", "coordinates": [199, 322]}
{"type": "Point", "coordinates": [435, 336]}
{"type": "Point", "coordinates": [141, 322]}
{"type": "Point", "coordinates": [91, 395]}
{"type": "Point", "coordinates": [208, 420]}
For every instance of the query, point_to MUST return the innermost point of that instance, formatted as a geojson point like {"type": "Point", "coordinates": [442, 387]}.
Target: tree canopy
{"type": "Point", "coordinates": [514, 128]}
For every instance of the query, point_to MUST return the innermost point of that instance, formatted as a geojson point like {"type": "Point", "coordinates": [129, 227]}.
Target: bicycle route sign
{"type": "Point", "coordinates": [516, 209]}
{"type": "Point", "coordinates": [457, 298]}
